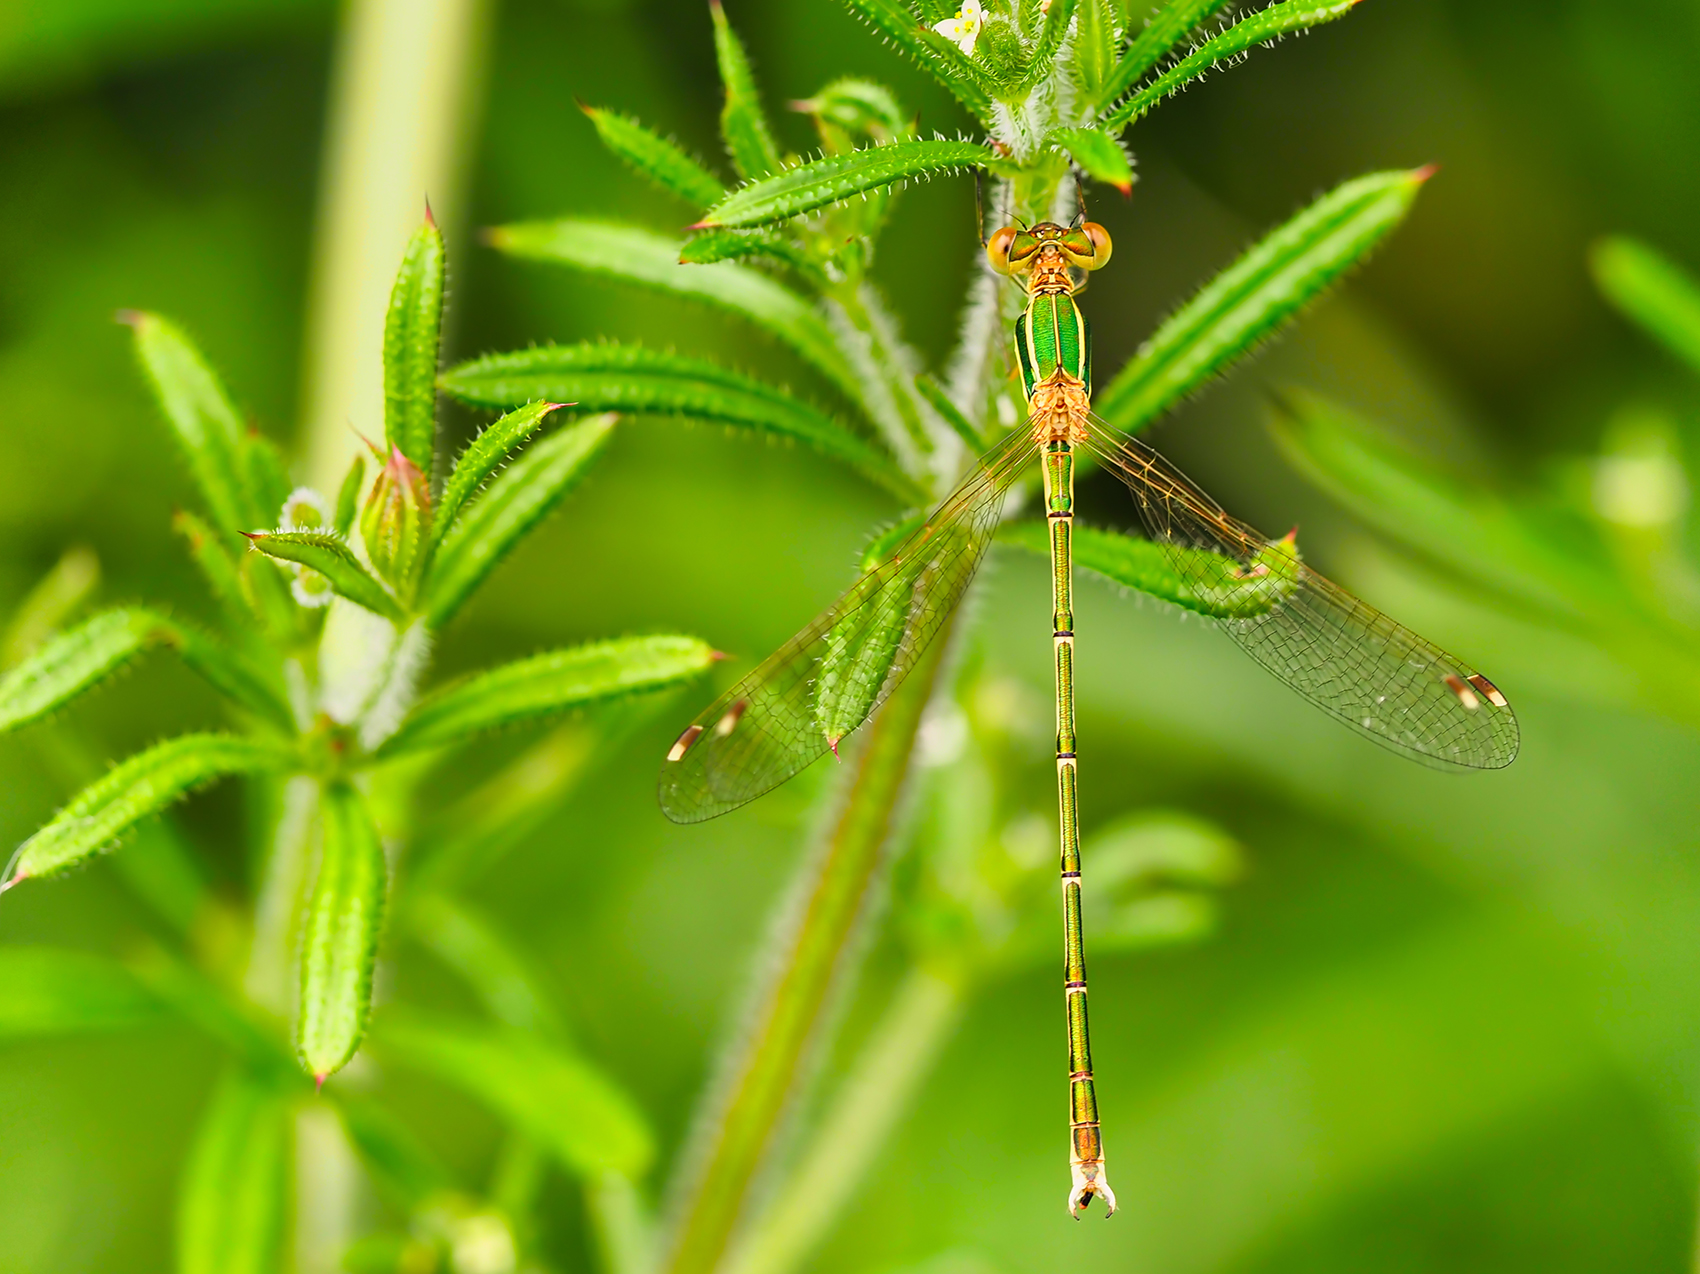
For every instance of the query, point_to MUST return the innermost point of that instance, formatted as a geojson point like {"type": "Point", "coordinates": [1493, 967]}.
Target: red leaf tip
{"type": "Point", "coordinates": [319, 1081]}
{"type": "Point", "coordinates": [430, 217]}
{"type": "Point", "coordinates": [129, 318]}
{"type": "Point", "coordinates": [13, 883]}
{"type": "Point", "coordinates": [702, 225]}
{"type": "Point", "coordinates": [254, 535]}
{"type": "Point", "coordinates": [1422, 174]}
{"type": "Point", "coordinates": [833, 744]}
{"type": "Point", "coordinates": [715, 656]}
{"type": "Point", "coordinates": [549, 407]}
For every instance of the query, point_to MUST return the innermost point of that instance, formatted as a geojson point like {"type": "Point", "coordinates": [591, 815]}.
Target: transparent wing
{"type": "Point", "coordinates": [830, 677]}
{"type": "Point", "coordinates": [1347, 658]}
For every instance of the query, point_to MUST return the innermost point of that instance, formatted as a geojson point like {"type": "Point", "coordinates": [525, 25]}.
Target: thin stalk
{"type": "Point", "coordinates": [881, 1084]}
{"type": "Point", "coordinates": [401, 102]}
{"type": "Point", "coordinates": [768, 1066]}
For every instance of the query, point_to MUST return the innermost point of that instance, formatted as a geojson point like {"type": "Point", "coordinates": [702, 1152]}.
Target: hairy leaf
{"type": "Point", "coordinates": [48, 991]}
{"type": "Point", "coordinates": [519, 498]}
{"type": "Point", "coordinates": [943, 60]}
{"type": "Point", "coordinates": [1165, 29]}
{"type": "Point", "coordinates": [652, 260]}
{"type": "Point", "coordinates": [631, 379]}
{"type": "Point", "coordinates": [136, 788]}
{"type": "Point", "coordinates": [1651, 289]}
{"type": "Point", "coordinates": [200, 413]}
{"type": "Point", "coordinates": [1146, 566]}
{"type": "Point", "coordinates": [1274, 279]}
{"type": "Point", "coordinates": [412, 334]}
{"type": "Point", "coordinates": [563, 1102]}
{"type": "Point", "coordinates": [339, 945]}
{"type": "Point", "coordinates": [950, 413]}
{"type": "Point", "coordinates": [1094, 47]}
{"type": "Point", "coordinates": [233, 1200]}
{"type": "Point", "coordinates": [332, 558]}
{"type": "Point", "coordinates": [482, 458]}
{"type": "Point", "coordinates": [547, 684]}
{"type": "Point", "coordinates": [1259, 28]}
{"type": "Point", "coordinates": [739, 245]}
{"type": "Point", "coordinates": [835, 178]}
{"type": "Point", "coordinates": [663, 161]}
{"type": "Point", "coordinates": [1057, 17]}
{"type": "Point", "coordinates": [1099, 154]}
{"type": "Point", "coordinates": [743, 123]}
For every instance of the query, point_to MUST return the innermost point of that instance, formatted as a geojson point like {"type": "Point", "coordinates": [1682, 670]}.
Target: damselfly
{"type": "Point", "coordinates": [1351, 661]}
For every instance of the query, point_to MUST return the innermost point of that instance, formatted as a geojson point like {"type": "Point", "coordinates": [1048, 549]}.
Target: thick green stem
{"type": "Point", "coordinates": [768, 1066]}
{"type": "Point", "coordinates": [400, 105]}
{"type": "Point", "coordinates": [892, 1065]}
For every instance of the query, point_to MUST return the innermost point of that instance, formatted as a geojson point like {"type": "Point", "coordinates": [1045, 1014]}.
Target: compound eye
{"type": "Point", "coordinates": [998, 246]}
{"type": "Point", "coordinates": [1100, 240]}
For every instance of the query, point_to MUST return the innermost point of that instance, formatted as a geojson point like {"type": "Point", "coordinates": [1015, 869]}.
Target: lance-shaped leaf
{"type": "Point", "coordinates": [1655, 292]}
{"type": "Point", "coordinates": [348, 495]}
{"type": "Point", "coordinates": [200, 413]}
{"type": "Point", "coordinates": [1094, 47]}
{"type": "Point", "coordinates": [521, 497]}
{"type": "Point", "coordinates": [56, 596]}
{"type": "Point", "coordinates": [1213, 585]}
{"type": "Point", "coordinates": [266, 470]}
{"type": "Point", "coordinates": [835, 178]}
{"type": "Point", "coordinates": [473, 946]}
{"type": "Point", "coordinates": [412, 334]}
{"type": "Point", "coordinates": [328, 555]}
{"type": "Point", "coordinates": [663, 161]}
{"type": "Point", "coordinates": [631, 379]}
{"type": "Point", "coordinates": [136, 788]}
{"type": "Point", "coordinates": [47, 991]}
{"type": "Point", "coordinates": [950, 413]}
{"type": "Point", "coordinates": [546, 685]}
{"type": "Point", "coordinates": [899, 28]}
{"type": "Point", "coordinates": [482, 458]}
{"type": "Point", "coordinates": [1057, 17]}
{"type": "Point", "coordinates": [562, 1101]}
{"type": "Point", "coordinates": [739, 245]}
{"type": "Point", "coordinates": [339, 945]}
{"type": "Point", "coordinates": [1165, 29]}
{"type": "Point", "coordinates": [1260, 28]}
{"type": "Point", "coordinates": [217, 563]}
{"type": "Point", "coordinates": [743, 123]}
{"type": "Point", "coordinates": [1251, 299]}
{"type": "Point", "coordinates": [231, 1207]}
{"type": "Point", "coordinates": [1099, 154]}
{"type": "Point", "coordinates": [652, 261]}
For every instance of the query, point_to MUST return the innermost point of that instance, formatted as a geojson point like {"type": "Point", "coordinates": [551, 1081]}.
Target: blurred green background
{"type": "Point", "coordinates": [1447, 1024]}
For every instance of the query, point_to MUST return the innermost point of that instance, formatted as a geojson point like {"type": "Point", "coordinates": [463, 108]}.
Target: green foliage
{"type": "Point", "coordinates": [135, 789]}
{"type": "Point", "coordinates": [568, 1106]}
{"type": "Point", "coordinates": [1650, 289]}
{"type": "Point", "coordinates": [1165, 29]}
{"type": "Point", "coordinates": [959, 74]}
{"type": "Point", "coordinates": [1270, 283]}
{"type": "Point", "coordinates": [662, 161]}
{"type": "Point", "coordinates": [834, 178]}
{"type": "Point", "coordinates": [74, 662]}
{"type": "Point", "coordinates": [743, 123]}
{"type": "Point", "coordinates": [348, 496]}
{"type": "Point", "coordinates": [546, 685]}
{"type": "Point", "coordinates": [230, 1211]}
{"type": "Point", "coordinates": [522, 496]}
{"type": "Point", "coordinates": [412, 334]}
{"type": "Point", "coordinates": [1099, 155]}
{"type": "Point", "coordinates": [339, 947]}
{"type": "Point", "coordinates": [332, 558]}
{"type": "Point", "coordinates": [480, 461]}
{"type": "Point", "coordinates": [45, 991]}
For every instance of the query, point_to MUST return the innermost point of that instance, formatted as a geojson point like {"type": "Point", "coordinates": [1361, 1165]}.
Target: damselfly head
{"type": "Point", "coordinates": [1014, 251]}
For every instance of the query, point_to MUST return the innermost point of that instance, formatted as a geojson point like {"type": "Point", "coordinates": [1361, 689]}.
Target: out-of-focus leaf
{"type": "Point", "coordinates": [1250, 300]}
{"type": "Point", "coordinates": [652, 261]}
{"type": "Point", "coordinates": [1163, 30]}
{"type": "Point", "coordinates": [412, 335]}
{"type": "Point", "coordinates": [332, 558]}
{"type": "Point", "coordinates": [472, 946]}
{"type": "Point", "coordinates": [898, 27]}
{"type": "Point", "coordinates": [663, 161]}
{"type": "Point", "coordinates": [1094, 47]}
{"type": "Point", "coordinates": [1146, 566]}
{"type": "Point", "coordinates": [217, 563]}
{"type": "Point", "coordinates": [743, 123]}
{"type": "Point", "coordinates": [236, 1024]}
{"type": "Point", "coordinates": [390, 1151]}
{"type": "Point", "coordinates": [348, 496]}
{"type": "Point", "coordinates": [482, 458]}
{"type": "Point", "coordinates": [547, 684]}
{"type": "Point", "coordinates": [48, 991]}
{"type": "Point", "coordinates": [200, 413]}
{"type": "Point", "coordinates": [1652, 290]}
{"type": "Point", "coordinates": [1260, 28]}
{"type": "Point", "coordinates": [132, 790]}
{"type": "Point", "coordinates": [339, 946]}
{"type": "Point", "coordinates": [1099, 154]}
{"type": "Point", "coordinates": [630, 379]}
{"type": "Point", "coordinates": [230, 1210]}
{"type": "Point", "coordinates": [854, 107]}
{"type": "Point", "coordinates": [739, 245]}
{"type": "Point", "coordinates": [950, 413]}
{"type": "Point", "coordinates": [835, 178]}
{"type": "Point", "coordinates": [520, 497]}
{"type": "Point", "coordinates": [266, 471]}
{"type": "Point", "coordinates": [55, 598]}
{"type": "Point", "coordinates": [563, 1102]}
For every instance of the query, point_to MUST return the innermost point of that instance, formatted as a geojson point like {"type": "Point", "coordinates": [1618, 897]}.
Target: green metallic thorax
{"type": "Point", "coordinates": [1050, 337]}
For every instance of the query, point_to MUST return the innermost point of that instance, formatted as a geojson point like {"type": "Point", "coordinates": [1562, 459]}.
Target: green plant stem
{"type": "Point", "coordinates": [402, 100]}
{"type": "Point", "coordinates": [891, 1066]}
{"type": "Point", "coordinates": [767, 1066]}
